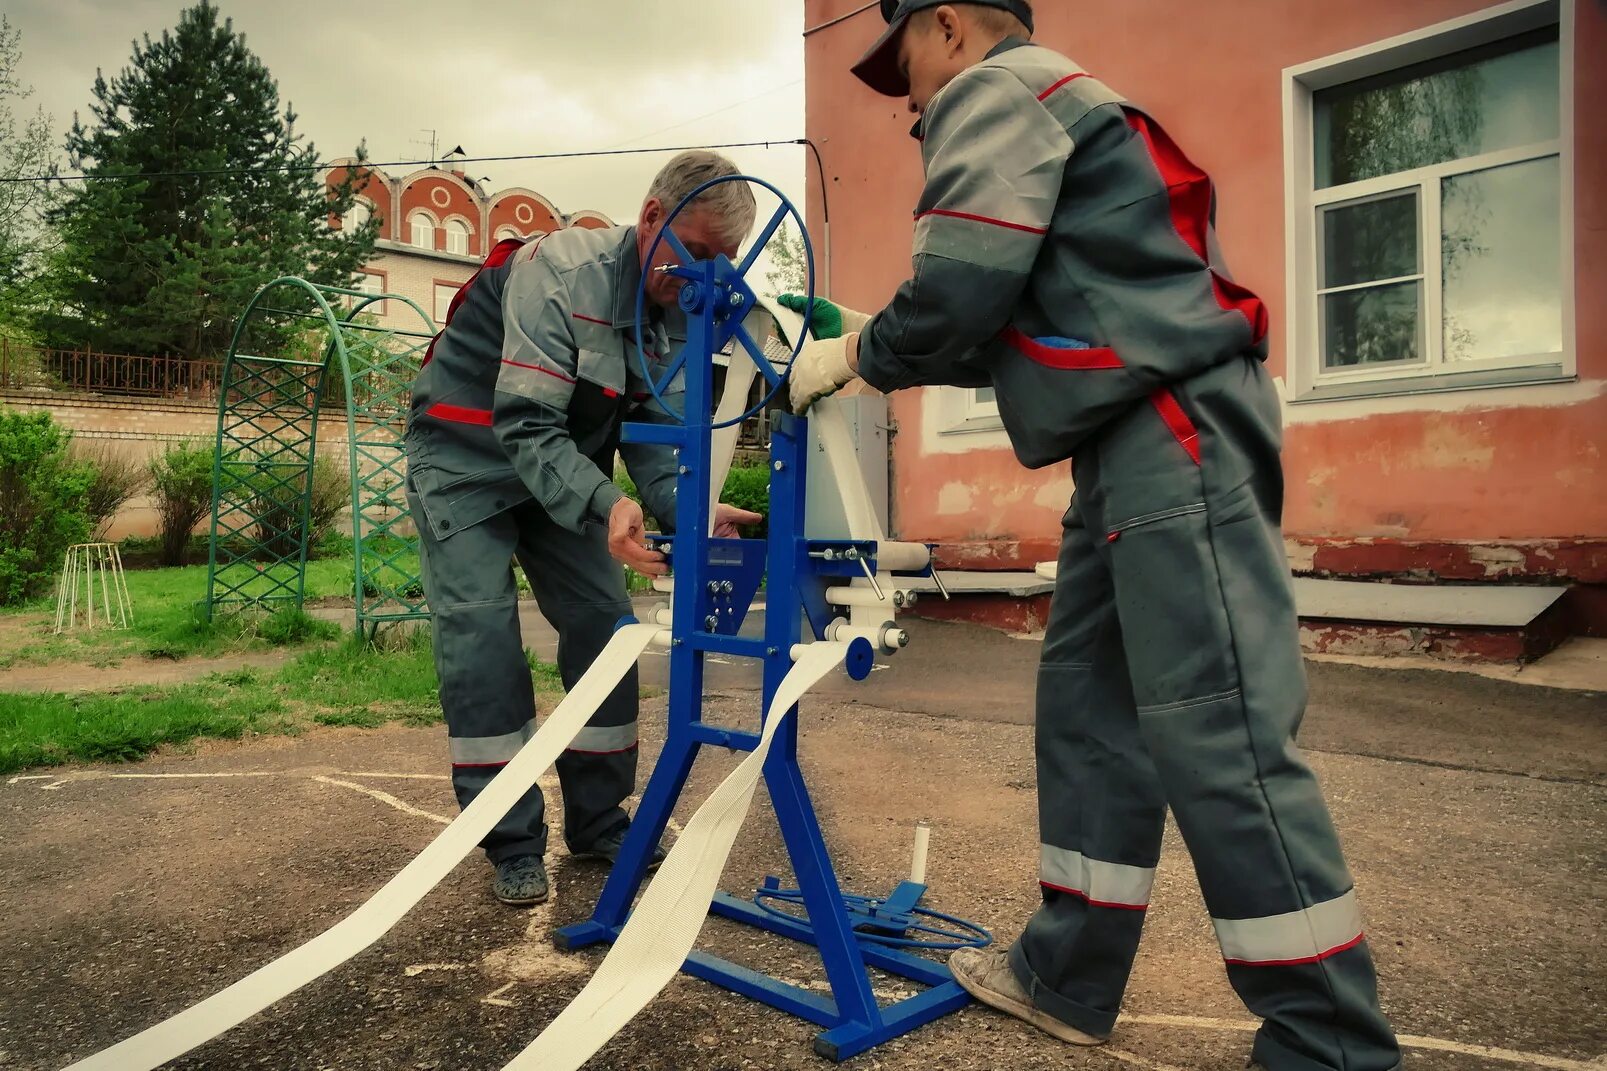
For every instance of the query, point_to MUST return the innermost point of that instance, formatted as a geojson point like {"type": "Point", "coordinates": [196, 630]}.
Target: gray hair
{"type": "Point", "coordinates": [731, 203]}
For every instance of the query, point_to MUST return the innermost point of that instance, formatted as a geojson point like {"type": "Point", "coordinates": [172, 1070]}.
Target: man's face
{"type": "Point", "coordinates": [696, 228]}
{"type": "Point", "coordinates": [931, 54]}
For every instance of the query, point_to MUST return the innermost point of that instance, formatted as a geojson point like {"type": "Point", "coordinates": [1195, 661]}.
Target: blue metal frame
{"type": "Point", "coordinates": [715, 581]}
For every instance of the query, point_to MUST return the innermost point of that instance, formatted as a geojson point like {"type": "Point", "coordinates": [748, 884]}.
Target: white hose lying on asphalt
{"type": "Point", "coordinates": [173, 1037]}
{"type": "Point", "coordinates": [663, 927]}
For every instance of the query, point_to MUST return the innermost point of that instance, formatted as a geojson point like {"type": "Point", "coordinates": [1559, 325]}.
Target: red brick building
{"type": "Point", "coordinates": [436, 225]}
{"type": "Point", "coordinates": [1419, 193]}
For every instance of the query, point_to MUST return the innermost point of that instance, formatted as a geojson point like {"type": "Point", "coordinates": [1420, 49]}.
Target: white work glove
{"type": "Point", "coordinates": [821, 368]}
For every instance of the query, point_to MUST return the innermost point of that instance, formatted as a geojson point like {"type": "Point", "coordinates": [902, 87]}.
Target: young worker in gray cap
{"type": "Point", "coordinates": [511, 439]}
{"type": "Point", "coordinates": [1065, 256]}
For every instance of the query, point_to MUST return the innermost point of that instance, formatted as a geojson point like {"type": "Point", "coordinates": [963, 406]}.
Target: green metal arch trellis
{"type": "Point", "coordinates": [269, 407]}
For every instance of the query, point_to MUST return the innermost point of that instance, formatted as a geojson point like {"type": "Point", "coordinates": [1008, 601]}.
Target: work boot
{"type": "Point", "coordinates": [985, 974]}
{"type": "Point", "coordinates": [520, 881]}
{"type": "Point", "coordinates": [605, 849]}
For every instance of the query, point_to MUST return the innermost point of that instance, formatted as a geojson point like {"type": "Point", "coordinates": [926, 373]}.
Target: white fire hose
{"type": "Point", "coordinates": [663, 928]}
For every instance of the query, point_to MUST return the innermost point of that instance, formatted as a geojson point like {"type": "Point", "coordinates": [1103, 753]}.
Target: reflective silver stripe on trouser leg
{"type": "Point", "coordinates": [1305, 936]}
{"type": "Point", "coordinates": [491, 750]}
{"type": "Point", "coordinates": [1095, 881]}
{"type": "Point", "coordinates": [605, 739]}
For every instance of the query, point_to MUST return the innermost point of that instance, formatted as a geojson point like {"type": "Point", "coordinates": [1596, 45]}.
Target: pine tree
{"type": "Point", "coordinates": [226, 200]}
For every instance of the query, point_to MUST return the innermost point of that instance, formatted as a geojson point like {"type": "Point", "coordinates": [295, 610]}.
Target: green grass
{"type": "Point", "coordinates": [167, 621]}
{"type": "Point", "coordinates": [344, 684]}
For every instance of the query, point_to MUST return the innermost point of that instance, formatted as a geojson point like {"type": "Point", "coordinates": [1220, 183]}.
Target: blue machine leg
{"type": "Point", "coordinates": [715, 581]}
{"type": "Point", "coordinates": [652, 817]}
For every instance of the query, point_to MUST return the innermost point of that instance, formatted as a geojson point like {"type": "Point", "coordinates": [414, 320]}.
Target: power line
{"type": "Point", "coordinates": [324, 166]}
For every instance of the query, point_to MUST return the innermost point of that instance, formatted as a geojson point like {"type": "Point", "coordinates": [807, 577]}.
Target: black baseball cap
{"type": "Point", "coordinates": [878, 68]}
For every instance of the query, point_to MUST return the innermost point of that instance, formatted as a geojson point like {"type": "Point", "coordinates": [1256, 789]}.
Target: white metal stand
{"type": "Point", "coordinates": [92, 581]}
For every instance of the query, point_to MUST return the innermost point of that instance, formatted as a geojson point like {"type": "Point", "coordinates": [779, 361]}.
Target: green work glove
{"type": "Point", "coordinates": [829, 320]}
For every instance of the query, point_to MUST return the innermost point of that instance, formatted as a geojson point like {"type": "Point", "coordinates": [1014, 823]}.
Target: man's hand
{"type": "Point", "coordinates": [823, 368]}
{"type": "Point", "coordinates": [727, 520]}
{"type": "Point", "coordinates": [627, 539]}
{"type": "Point", "coordinates": [828, 320]}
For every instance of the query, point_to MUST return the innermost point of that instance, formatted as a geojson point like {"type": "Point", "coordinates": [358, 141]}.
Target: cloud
{"type": "Point", "coordinates": [499, 77]}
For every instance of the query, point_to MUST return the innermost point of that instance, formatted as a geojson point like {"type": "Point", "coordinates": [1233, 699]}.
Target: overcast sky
{"type": "Point", "coordinates": [499, 77]}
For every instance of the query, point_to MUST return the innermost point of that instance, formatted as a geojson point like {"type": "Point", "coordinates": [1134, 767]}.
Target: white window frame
{"type": "Point", "coordinates": [438, 307]}
{"type": "Point", "coordinates": [372, 283]}
{"type": "Point", "coordinates": [963, 413]}
{"type": "Point", "coordinates": [348, 222]}
{"type": "Point", "coordinates": [1303, 204]}
{"type": "Point", "coordinates": [464, 234]}
{"type": "Point", "coordinates": [413, 219]}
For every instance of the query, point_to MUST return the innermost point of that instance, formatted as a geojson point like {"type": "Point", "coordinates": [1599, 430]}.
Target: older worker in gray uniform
{"type": "Point", "coordinates": [1065, 256]}
{"type": "Point", "coordinates": [511, 442]}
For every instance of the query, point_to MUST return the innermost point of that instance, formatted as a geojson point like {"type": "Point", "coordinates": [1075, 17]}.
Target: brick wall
{"type": "Point", "coordinates": [145, 428]}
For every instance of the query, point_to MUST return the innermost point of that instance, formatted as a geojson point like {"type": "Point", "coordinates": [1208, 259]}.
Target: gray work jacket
{"type": "Point", "coordinates": [1065, 255]}
{"type": "Point", "coordinates": [527, 385]}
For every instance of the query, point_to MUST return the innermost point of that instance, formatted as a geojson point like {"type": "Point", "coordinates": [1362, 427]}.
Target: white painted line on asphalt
{"type": "Point", "coordinates": [396, 776]}
{"type": "Point", "coordinates": [383, 797]}
{"type": "Point", "coordinates": [1411, 1041]}
{"type": "Point", "coordinates": [417, 969]}
{"type": "Point", "coordinates": [94, 776]}
{"type": "Point", "coordinates": [1136, 1060]}
{"type": "Point", "coordinates": [494, 997]}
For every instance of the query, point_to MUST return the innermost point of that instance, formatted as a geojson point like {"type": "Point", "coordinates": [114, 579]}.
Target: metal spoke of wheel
{"type": "Point", "coordinates": [756, 355]}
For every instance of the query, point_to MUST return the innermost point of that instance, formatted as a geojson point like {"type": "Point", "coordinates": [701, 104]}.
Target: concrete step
{"type": "Point", "coordinates": [1465, 622]}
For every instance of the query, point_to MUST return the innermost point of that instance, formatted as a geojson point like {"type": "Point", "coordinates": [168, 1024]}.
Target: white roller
{"type": "Point", "coordinates": [173, 1037]}
{"type": "Point", "coordinates": [884, 635]}
{"type": "Point", "coordinates": [902, 557]}
{"type": "Point", "coordinates": [654, 944]}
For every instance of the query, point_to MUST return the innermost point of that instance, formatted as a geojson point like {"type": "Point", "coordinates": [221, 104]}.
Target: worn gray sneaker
{"type": "Point", "coordinates": [521, 881]}
{"type": "Point", "coordinates": [605, 849]}
{"type": "Point", "coordinates": [985, 974]}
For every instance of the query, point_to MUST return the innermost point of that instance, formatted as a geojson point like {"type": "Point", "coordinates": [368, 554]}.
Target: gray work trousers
{"type": "Point", "coordinates": [486, 690]}
{"type": "Point", "coordinates": [1172, 677]}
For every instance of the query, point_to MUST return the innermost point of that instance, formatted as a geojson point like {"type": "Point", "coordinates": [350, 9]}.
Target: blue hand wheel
{"type": "Point", "coordinates": [660, 384]}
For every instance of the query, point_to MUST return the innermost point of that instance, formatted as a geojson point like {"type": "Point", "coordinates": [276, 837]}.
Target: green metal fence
{"type": "Point", "coordinates": [313, 352]}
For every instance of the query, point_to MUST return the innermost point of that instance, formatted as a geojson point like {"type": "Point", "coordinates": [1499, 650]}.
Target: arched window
{"type": "Point", "coordinates": [422, 230]}
{"type": "Point", "coordinates": [457, 237]}
{"type": "Point", "coordinates": [358, 214]}
{"type": "Point", "coordinates": [507, 232]}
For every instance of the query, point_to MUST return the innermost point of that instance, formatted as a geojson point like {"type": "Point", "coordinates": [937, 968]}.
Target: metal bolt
{"type": "Point", "coordinates": [771, 652]}
{"type": "Point", "coordinates": [726, 587]}
{"type": "Point", "coordinates": [736, 298]}
{"type": "Point", "coordinates": [685, 470]}
{"type": "Point", "coordinates": [714, 587]}
{"type": "Point", "coordinates": [779, 465]}
{"type": "Point", "coordinates": [711, 623]}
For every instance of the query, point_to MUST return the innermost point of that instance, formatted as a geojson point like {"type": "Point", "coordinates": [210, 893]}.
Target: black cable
{"type": "Point", "coordinates": [840, 18]}
{"type": "Point", "coordinates": [402, 163]}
